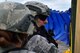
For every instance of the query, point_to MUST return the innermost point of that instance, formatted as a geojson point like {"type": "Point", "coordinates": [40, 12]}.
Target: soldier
{"type": "Point", "coordinates": [12, 26]}
{"type": "Point", "coordinates": [40, 41]}
{"type": "Point", "coordinates": [41, 12]}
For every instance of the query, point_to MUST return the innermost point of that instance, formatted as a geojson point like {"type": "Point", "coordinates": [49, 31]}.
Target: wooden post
{"type": "Point", "coordinates": [73, 23]}
{"type": "Point", "coordinates": [77, 29]}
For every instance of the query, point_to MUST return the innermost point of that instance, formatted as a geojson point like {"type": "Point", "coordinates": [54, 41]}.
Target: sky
{"type": "Point", "coordinates": [61, 5]}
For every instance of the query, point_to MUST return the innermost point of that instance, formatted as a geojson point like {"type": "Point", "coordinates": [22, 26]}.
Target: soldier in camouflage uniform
{"type": "Point", "coordinates": [38, 41]}
{"type": "Point", "coordinates": [13, 26]}
{"type": "Point", "coordinates": [41, 41]}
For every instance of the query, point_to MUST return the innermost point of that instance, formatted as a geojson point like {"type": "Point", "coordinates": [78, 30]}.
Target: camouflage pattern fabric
{"type": "Point", "coordinates": [37, 7]}
{"type": "Point", "coordinates": [21, 51]}
{"type": "Point", "coordinates": [11, 13]}
{"type": "Point", "coordinates": [39, 44]}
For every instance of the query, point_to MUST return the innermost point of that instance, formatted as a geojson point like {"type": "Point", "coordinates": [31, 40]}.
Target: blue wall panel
{"type": "Point", "coordinates": [59, 22]}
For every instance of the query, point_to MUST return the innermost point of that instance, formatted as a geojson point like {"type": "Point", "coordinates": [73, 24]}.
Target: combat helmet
{"type": "Point", "coordinates": [14, 17]}
{"type": "Point", "coordinates": [37, 8]}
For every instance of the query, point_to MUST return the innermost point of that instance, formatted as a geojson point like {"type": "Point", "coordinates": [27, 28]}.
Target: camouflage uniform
{"type": "Point", "coordinates": [40, 45]}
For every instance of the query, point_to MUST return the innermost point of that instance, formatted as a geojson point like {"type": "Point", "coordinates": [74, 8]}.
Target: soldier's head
{"type": "Point", "coordinates": [41, 19]}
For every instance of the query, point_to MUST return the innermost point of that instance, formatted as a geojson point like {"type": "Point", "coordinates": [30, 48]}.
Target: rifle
{"type": "Point", "coordinates": [50, 34]}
